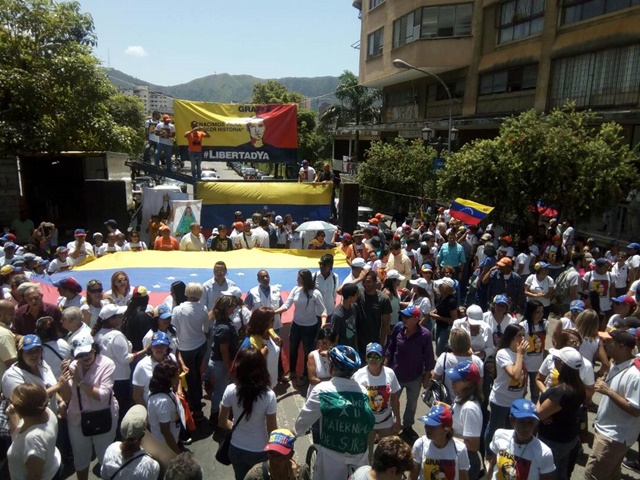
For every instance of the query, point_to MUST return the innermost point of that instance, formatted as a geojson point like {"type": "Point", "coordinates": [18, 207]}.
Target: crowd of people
{"type": "Point", "coordinates": [443, 311]}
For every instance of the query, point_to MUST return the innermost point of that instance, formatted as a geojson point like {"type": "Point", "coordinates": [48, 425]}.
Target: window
{"type": "Point", "coordinates": [374, 43]}
{"type": "Point", "coordinates": [604, 78]}
{"type": "Point", "coordinates": [436, 92]}
{"type": "Point", "coordinates": [374, 3]}
{"type": "Point", "coordinates": [406, 29]}
{"type": "Point", "coordinates": [509, 80]}
{"type": "Point", "coordinates": [520, 19]}
{"type": "Point", "coordinates": [446, 21]}
{"type": "Point", "coordinates": [577, 10]}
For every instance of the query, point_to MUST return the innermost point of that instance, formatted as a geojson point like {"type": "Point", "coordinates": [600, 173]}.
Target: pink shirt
{"type": "Point", "coordinates": [99, 375]}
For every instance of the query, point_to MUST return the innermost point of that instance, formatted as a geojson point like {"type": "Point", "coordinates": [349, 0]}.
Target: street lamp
{"type": "Point", "coordinates": [398, 63]}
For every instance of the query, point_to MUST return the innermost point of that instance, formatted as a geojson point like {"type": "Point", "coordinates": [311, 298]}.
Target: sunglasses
{"type": "Point", "coordinates": [374, 356]}
{"type": "Point", "coordinates": [95, 290]}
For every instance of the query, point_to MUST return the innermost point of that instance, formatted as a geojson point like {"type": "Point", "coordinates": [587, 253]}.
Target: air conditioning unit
{"type": "Point", "coordinates": [357, 4]}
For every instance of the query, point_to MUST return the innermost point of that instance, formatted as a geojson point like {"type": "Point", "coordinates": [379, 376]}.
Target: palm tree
{"type": "Point", "coordinates": [357, 104]}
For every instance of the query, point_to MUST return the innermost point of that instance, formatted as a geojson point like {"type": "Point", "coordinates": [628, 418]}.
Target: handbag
{"type": "Point", "coordinates": [95, 423]}
{"type": "Point", "coordinates": [437, 391]}
{"type": "Point", "coordinates": [222, 455]}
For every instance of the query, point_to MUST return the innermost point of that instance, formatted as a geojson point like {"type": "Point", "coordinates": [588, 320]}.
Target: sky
{"type": "Point", "coordinates": [168, 42]}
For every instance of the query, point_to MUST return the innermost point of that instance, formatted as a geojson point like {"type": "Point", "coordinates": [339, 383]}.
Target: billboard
{"type": "Point", "coordinates": [241, 132]}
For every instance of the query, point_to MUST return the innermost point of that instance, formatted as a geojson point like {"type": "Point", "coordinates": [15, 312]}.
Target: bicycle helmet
{"type": "Point", "coordinates": [344, 359]}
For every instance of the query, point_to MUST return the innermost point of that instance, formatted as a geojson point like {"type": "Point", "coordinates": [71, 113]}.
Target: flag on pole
{"type": "Point", "coordinates": [469, 212]}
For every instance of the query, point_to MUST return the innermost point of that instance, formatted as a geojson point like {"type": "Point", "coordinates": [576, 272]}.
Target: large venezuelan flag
{"type": "Point", "coordinates": [302, 200]}
{"type": "Point", "coordinates": [158, 270]}
{"type": "Point", "coordinates": [469, 212]}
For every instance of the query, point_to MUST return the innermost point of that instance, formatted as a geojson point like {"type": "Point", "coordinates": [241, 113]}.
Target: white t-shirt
{"type": "Point", "coordinates": [295, 240]}
{"type": "Point", "coordinates": [531, 459]}
{"type": "Point", "coordinates": [150, 125]}
{"type": "Point", "coordinates": [38, 441]}
{"type": "Point", "coordinates": [251, 434]}
{"type": "Point", "coordinates": [434, 461]}
{"type": "Point", "coordinates": [379, 389]}
{"type": "Point", "coordinates": [165, 408]}
{"type": "Point", "coordinates": [86, 249]}
{"type": "Point", "coordinates": [540, 286]}
{"type": "Point", "coordinates": [261, 236]}
{"type": "Point", "coordinates": [57, 266]}
{"type": "Point", "coordinates": [483, 341]}
{"type": "Point", "coordinates": [192, 323]}
{"type": "Point", "coordinates": [93, 311]}
{"type": "Point", "coordinates": [551, 374]}
{"type": "Point", "coordinates": [169, 128]}
{"type": "Point", "coordinates": [54, 360]}
{"type": "Point", "coordinates": [193, 243]}
{"type": "Point", "coordinates": [620, 274]}
{"type": "Point", "coordinates": [328, 287]}
{"type": "Point", "coordinates": [505, 390]}
{"type": "Point", "coordinates": [134, 246]}
{"type": "Point", "coordinates": [143, 468]}
{"type": "Point", "coordinates": [143, 372]}
{"type": "Point", "coordinates": [119, 300]}
{"type": "Point", "coordinates": [537, 339]}
{"type": "Point", "coordinates": [453, 360]}
{"type": "Point", "coordinates": [524, 259]}
{"type": "Point", "coordinates": [467, 419]}
{"type": "Point", "coordinates": [601, 283]}
{"type": "Point", "coordinates": [15, 376]}
{"type": "Point", "coordinates": [173, 341]}
{"type": "Point", "coordinates": [106, 248]}
{"type": "Point", "coordinates": [308, 174]}
{"type": "Point", "coordinates": [633, 261]}
{"type": "Point", "coordinates": [77, 301]}
{"type": "Point", "coordinates": [423, 303]}
{"type": "Point", "coordinates": [307, 309]}
{"type": "Point", "coordinates": [589, 347]}
{"type": "Point", "coordinates": [114, 345]}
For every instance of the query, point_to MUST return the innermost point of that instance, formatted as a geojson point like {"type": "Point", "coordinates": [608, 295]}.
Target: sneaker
{"type": "Point", "coordinates": [198, 416]}
{"type": "Point", "coordinates": [631, 465]}
{"type": "Point", "coordinates": [410, 433]}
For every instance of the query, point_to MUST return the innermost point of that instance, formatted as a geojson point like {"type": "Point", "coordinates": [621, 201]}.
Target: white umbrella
{"type": "Point", "coordinates": [316, 225]}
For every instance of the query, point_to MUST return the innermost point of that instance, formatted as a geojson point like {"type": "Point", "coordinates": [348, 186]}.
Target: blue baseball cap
{"type": "Point", "coordinates": [466, 370]}
{"type": "Point", "coordinates": [634, 246]}
{"type": "Point", "coordinates": [374, 348]}
{"type": "Point", "coordinates": [411, 311]}
{"type": "Point", "coordinates": [577, 306]}
{"type": "Point", "coordinates": [541, 266]}
{"type": "Point", "coordinates": [523, 408]}
{"type": "Point", "coordinates": [438, 415]}
{"type": "Point", "coordinates": [501, 299]}
{"type": "Point", "coordinates": [159, 338]}
{"type": "Point", "coordinates": [30, 341]}
{"type": "Point", "coordinates": [163, 312]}
{"type": "Point", "coordinates": [80, 232]}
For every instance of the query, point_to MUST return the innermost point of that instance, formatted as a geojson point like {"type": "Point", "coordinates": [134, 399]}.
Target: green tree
{"type": "Point", "coordinates": [357, 104]}
{"type": "Point", "coordinates": [566, 159]}
{"type": "Point", "coordinates": [401, 167]}
{"type": "Point", "coordinates": [53, 96]}
{"type": "Point", "coordinates": [272, 91]}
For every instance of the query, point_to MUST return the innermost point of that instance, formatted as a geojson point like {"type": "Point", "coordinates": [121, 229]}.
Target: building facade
{"type": "Point", "coordinates": [499, 58]}
{"type": "Point", "coordinates": [152, 100]}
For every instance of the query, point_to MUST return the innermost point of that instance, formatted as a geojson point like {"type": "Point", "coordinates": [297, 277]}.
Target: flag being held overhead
{"type": "Point", "coordinates": [469, 212]}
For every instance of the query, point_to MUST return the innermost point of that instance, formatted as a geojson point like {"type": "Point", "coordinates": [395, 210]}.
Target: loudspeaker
{"type": "Point", "coordinates": [105, 200]}
{"type": "Point", "coordinates": [348, 206]}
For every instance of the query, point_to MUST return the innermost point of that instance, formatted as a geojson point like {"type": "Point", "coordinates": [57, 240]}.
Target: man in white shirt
{"type": "Point", "coordinates": [193, 241]}
{"type": "Point", "coordinates": [326, 281]}
{"type": "Point", "coordinates": [261, 233]}
{"type": "Point", "coordinates": [306, 174]}
{"type": "Point", "coordinates": [246, 239]}
{"type": "Point", "coordinates": [214, 287]}
{"type": "Point", "coordinates": [617, 422]}
{"type": "Point", "coordinates": [79, 249]}
{"type": "Point", "coordinates": [165, 131]}
{"type": "Point", "coordinates": [265, 295]}
{"type": "Point", "coordinates": [152, 138]}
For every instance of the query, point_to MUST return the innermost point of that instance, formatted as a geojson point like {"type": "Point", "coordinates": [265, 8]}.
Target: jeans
{"type": "Point", "coordinates": [243, 460]}
{"type": "Point", "coordinates": [475, 465]}
{"type": "Point", "coordinates": [220, 373]}
{"type": "Point", "coordinates": [533, 388]}
{"type": "Point", "coordinates": [442, 339]}
{"type": "Point", "coordinates": [122, 390]}
{"type": "Point", "coordinates": [562, 455]}
{"type": "Point", "coordinates": [413, 392]}
{"type": "Point", "coordinates": [168, 151]}
{"type": "Point", "coordinates": [306, 335]}
{"type": "Point", "coordinates": [498, 418]}
{"type": "Point", "coordinates": [146, 157]}
{"type": "Point", "coordinates": [196, 164]}
{"type": "Point", "coordinates": [193, 360]}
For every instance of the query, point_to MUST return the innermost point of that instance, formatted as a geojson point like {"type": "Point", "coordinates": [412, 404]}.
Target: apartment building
{"type": "Point", "coordinates": [499, 58]}
{"type": "Point", "coordinates": [151, 100]}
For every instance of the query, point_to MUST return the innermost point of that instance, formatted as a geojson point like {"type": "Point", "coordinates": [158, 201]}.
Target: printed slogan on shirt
{"type": "Point", "coordinates": [439, 469]}
{"type": "Point", "coordinates": [241, 132]}
{"type": "Point", "coordinates": [512, 467]}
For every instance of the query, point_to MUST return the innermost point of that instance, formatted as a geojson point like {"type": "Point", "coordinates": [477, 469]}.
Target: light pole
{"type": "Point", "coordinates": [398, 63]}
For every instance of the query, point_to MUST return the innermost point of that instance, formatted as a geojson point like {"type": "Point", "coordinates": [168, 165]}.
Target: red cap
{"type": "Point", "coordinates": [374, 221]}
{"type": "Point", "coordinates": [379, 216]}
{"type": "Point", "coordinates": [166, 117]}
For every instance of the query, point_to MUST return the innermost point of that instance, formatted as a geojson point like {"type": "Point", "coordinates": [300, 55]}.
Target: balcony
{"type": "Point", "coordinates": [440, 109]}
{"type": "Point", "coordinates": [506, 103]}
{"type": "Point", "coordinates": [401, 113]}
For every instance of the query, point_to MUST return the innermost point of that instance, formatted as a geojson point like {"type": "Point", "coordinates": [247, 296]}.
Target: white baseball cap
{"type": "Point", "coordinates": [420, 282]}
{"type": "Point", "coordinates": [358, 263]}
{"type": "Point", "coordinates": [474, 315]}
{"type": "Point", "coordinates": [569, 356]}
{"type": "Point", "coordinates": [395, 275]}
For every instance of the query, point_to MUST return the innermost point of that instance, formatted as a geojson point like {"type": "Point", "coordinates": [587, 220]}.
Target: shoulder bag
{"type": "Point", "coordinates": [124, 465]}
{"type": "Point", "coordinates": [95, 423]}
{"type": "Point", "coordinates": [437, 391]}
{"type": "Point", "coordinates": [222, 455]}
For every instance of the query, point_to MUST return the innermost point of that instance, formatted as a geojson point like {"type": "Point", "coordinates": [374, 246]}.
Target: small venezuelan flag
{"type": "Point", "coordinates": [469, 212]}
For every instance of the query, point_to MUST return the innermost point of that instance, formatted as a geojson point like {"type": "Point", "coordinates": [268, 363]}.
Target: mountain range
{"type": "Point", "coordinates": [227, 88]}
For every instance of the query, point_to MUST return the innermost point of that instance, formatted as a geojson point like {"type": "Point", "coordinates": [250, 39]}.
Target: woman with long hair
{"type": "Point", "coordinates": [511, 380]}
{"type": "Point", "coordinates": [158, 352]}
{"type": "Point", "coordinates": [259, 335]}
{"type": "Point", "coordinates": [466, 387]}
{"type": "Point", "coordinates": [439, 444]}
{"type": "Point", "coordinates": [166, 415]}
{"type": "Point", "coordinates": [121, 291]}
{"type": "Point", "coordinates": [176, 295]}
{"type": "Point", "coordinates": [460, 345]}
{"type": "Point", "coordinates": [390, 288]}
{"type": "Point", "coordinates": [223, 351]}
{"type": "Point", "coordinates": [161, 322]}
{"type": "Point", "coordinates": [137, 320]}
{"type": "Point", "coordinates": [91, 309]}
{"type": "Point", "coordinates": [420, 298]}
{"type": "Point", "coordinates": [90, 390]}
{"type": "Point", "coordinates": [127, 459]}
{"type": "Point", "coordinates": [254, 409]}
{"type": "Point", "coordinates": [535, 329]}
{"type": "Point", "coordinates": [445, 312]}
{"type": "Point", "coordinates": [560, 405]}
{"type": "Point", "coordinates": [308, 315]}
{"type": "Point", "coordinates": [588, 325]}
{"type": "Point", "coordinates": [34, 427]}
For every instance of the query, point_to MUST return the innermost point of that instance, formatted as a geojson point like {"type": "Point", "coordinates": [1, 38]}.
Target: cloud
{"type": "Point", "coordinates": [136, 51]}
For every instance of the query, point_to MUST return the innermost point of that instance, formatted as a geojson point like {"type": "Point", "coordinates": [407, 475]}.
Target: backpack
{"type": "Point", "coordinates": [562, 288]}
